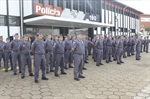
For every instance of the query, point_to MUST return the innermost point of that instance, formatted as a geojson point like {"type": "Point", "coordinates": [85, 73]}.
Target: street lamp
{"type": "Point", "coordinates": [123, 17]}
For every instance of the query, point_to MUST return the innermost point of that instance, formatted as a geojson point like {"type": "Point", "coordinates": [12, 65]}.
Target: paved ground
{"type": "Point", "coordinates": [110, 81]}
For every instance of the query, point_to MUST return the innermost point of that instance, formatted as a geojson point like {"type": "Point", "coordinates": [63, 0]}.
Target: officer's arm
{"type": "Point", "coordinates": [74, 46]}
{"type": "Point", "coordinates": [11, 45]}
{"type": "Point", "coordinates": [33, 47]}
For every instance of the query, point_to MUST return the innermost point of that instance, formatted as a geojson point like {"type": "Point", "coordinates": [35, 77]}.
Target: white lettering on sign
{"type": "Point", "coordinates": [47, 10]}
{"type": "Point", "coordinates": [145, 19]}
{"type": "Point", "coordinates": [93, 18]}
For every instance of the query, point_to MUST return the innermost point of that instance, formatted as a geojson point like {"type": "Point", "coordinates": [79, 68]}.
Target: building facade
{"type": "Point", "coordinates": [64, 16]}
{"type": "Point", "coordinates": [144, 21]}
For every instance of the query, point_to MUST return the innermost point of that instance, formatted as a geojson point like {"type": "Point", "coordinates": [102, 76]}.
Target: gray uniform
{"type": "Point", "coordinates": [15, 54]}
{"type": "Point", "coordinates": [86, 49]}
{"type": "Point", "coordinates": [144, 42]}
{"type": "Point", "coordinates": [89, 47]}
{"type": "Point", "coordinates": [99, 45]}
{"type": "Point", "coordinates": [78, 57]}
{"type": "Point", "coordinates": [7, 54]}
{"type": "Point", "coordinates": [49, 55]}
{"type": "Point", "coordinates": [132, 46]}
{"type": "Point", "coordinates": [94, 49]}
{"type": "Point", "coordinates": [108, 49]}
{"type": "Point", "coordinates": [68, 53]}
{"type": "Point", "coordinates": [24, 50]}
{"type": "Point", "coordinates": [39, 58]}
{"type": "Point", "coordinates": [59, 48]}
{"type": "Point", "coordinates": [138, 49]}
{"type": "Point", "coordinates": [147, 45]}
{"type": "Point", "coordinates": [129, 47]}
{"type": "Point", "coordinates": [125, 44]}
{"type": "Point", "coordinates": [119, 51]}
{"type": "Point", "coordinates": [113, 48]}
{"type": "Point", "coordinates": [1, 52]}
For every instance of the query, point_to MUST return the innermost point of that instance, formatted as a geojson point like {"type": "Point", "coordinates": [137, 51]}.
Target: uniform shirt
{"type": "Point", "coordinates": [7, 47]}
{"type": "Point", "coordinates": [49, 45]}
{"type": "Point", "coordinates": [108, 41]}
{"type": "Point", "coordinates": [59, 47]}
{"type": "Point", "coordinates": [38, 47]}
{"type": "Point", "coordinates": [78, 45]}
{"type": "Point", "coordinates": [133, 42]}
{"type": "Point", "coordinates": [25, 48]}
{"type": "Point", "coordinates": [85, 43]}
{"type": "Point", "coordinates": [68, 45]}
{"type": "Point", "coordinates": [99, 44]}
{"type": "Point", "coordinates": [116, 44]}
{"type": "Point", "coordinates": [125, 42]}
{"type": "Point", "coordinates": [15, 44]}
{"type": "Point", "coordinates": [130, 42]}
{"type": "Point", "coordinates": [2, 46]}
{"type": "Point", "coordinates": [120, 45]}
{"type": "Point", "coordinates": [138, 43]}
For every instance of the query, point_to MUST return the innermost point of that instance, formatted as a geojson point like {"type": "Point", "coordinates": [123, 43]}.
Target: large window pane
{"type": "Point", "coordinates": [36, 1]}
{"type": "Point", "coordinates": [14, 21]}
{"type": "Point", "coordinates": [46, 2]}
{"type": "Point", "coordinates": [2, 20]}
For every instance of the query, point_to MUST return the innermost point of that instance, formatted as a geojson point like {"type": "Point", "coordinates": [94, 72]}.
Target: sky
{"type": "Point", "coordinates": [141, 5]}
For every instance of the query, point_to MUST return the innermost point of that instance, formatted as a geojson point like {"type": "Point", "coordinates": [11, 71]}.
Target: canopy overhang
{"type": "Point", "coordinates": [63, 22]}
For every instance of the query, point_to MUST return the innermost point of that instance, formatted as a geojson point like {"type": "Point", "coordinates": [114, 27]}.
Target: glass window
{"type": "Point", "coordinates": [75, 4]}
{"type": "Point", "coordinates": [36, 1]}
{"type": "Point", "coordinates": [81, 5]}
{"type": "Point", "coordinates": [46, 2]}
{"type": "Point", "coordinates": [51, 2]}
{"type": "Point", "coordinates": [14, 21]}
{"type": "Point", "coordinates": [2, 20]}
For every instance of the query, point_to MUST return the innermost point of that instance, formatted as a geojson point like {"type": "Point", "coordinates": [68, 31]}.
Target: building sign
{"type": "Point", "coordinates": [145, 19]}
{"type": "Point", "coordinates": [91, 17]}
{"type": "Point", "coordinates": [39, 9]}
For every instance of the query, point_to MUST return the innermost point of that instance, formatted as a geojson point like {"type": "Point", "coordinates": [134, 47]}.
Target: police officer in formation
{"type": "Point", "coordinates": [59, 48]}
{"type": "Point", "coordinates": [78, 51]}
{"type": "Point", "coordinates": [52, 53]}
{"type": "Point", "coordinates": [24, 50]}
{"type": "Point", "coordinates": [38, 48]}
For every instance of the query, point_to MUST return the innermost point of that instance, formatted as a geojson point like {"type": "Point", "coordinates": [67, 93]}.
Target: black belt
{"type": "Point", "coordinates": [15, 51]}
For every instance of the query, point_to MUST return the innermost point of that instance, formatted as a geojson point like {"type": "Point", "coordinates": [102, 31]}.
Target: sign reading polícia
{"type": "Point", "coordinates": [39, 9]}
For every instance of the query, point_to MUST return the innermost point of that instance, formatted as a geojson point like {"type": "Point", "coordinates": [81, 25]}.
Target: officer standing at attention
{"type": "Point", "coordinates": [15, 54]}
{"type": "Point", "coordinates": [49, 54]}
{"type": "Point", "coordinates": [119, 50]}
{"type": "Point", "coordinates": [108, 43]}
{"type": "Point", "coordinates": [59, 48]}
{"type": "Point", "coordinates": [132, 45]}
{"type": "Point", "coordinates": [147, 44]}
{"type": "Point", "coordinates": [38, 49]}
{"type": "Point", "coordinates": [138, 47]}
{"type": "Point", "coordinates": [99, 45]}
{"type": "Point", "coordinates": [144, 42]}
{"type": "Point", "coordinates": [129, 47]}
{"type": "Point", "coordinates": [68, 53]}
{"type": "Point", "coordinates": [24, 50]}
{"type": "Point", "coordinates": [125, 44]}
{"type": "Point", "coordinates": [7, 54]}
{"type": "Point", "coordinates": [1, 49]}
{"type": "Point", "coordinates": [78, 51]}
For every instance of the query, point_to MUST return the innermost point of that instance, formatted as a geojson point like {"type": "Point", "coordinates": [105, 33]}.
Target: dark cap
{"type": "Point", "coordinates": [1, 36]}
{"type": "Point", "coordinates": [16, 34]}
{"type": "Point", "coordinates": [78, 33]}
{"type": "Point", "coordinates": [7, 38]}
{"type": "Point", "coordinates": [60, 36]}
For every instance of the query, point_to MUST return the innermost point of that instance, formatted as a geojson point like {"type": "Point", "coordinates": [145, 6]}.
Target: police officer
{"type": "Point", "coordinates": [15, 54]}
{"type": "Point", "coordinates": [49, 54]}
{"type": "Point", "coordinates": [99, 45]}
{"type": "Point", "coordinates": [129, 47]}
{"type": "Point", "coordinates": [24, 50]}
{"type": "Point", "coordinates": [59, 48]}
{"type": "Point", "coordinates": [68, 52]}
{"type": "Point", "coordinates": [39, 57]}
{"type": "Point", "coordinates": [78, 51]}
{"type": "Point", "coordinates": [144, 43]}
{"type": "Point", "coordinates": [89, 46]}
{"type": "Point", "coordinates": [104, 47]}
{"type": "Point", "coordinates": [147, 44]}
{"type": "Point", "coordinates": [108, 43]}
{"type": "Point", "coordinates": [86, 48]}
{"type": "Point", "coordinates": [2, 43]}
{"type": "Point", "coordinates": [132, 45]}
{"type": "Point", "coordinates": [119, 50]}
{"type": "Point", "coordinates": [125, 44]}
{"type": "Point", "coordinates": [113, 47]}
{"type": "Point", "coordinates": [138, 47]}
{"type": "Point", "coordinates": [7, 54]}
{"type": "Point", "coordinates": [94, 47]}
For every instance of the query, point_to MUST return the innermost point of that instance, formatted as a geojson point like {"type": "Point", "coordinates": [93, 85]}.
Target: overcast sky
{"type": "Point", "coordinates": [141, 5]}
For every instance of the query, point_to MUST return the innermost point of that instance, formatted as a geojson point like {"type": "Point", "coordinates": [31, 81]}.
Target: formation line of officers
{"type": "Point", "coordinates": [59, 53]}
